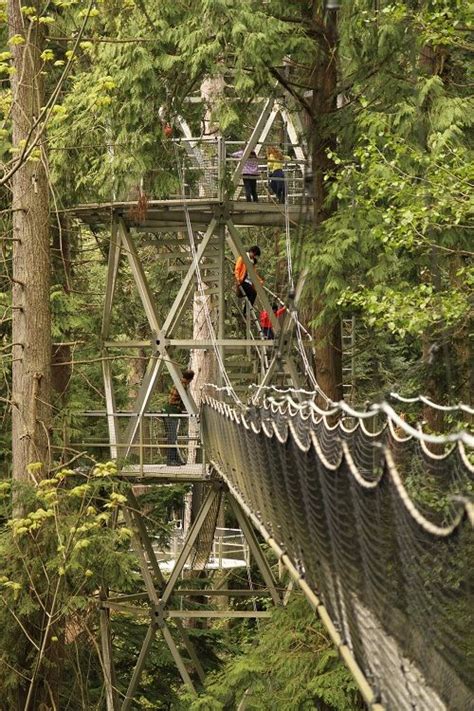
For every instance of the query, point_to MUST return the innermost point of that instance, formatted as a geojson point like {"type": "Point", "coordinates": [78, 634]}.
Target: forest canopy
{"type": "Point", "coordinates": [96, 99]}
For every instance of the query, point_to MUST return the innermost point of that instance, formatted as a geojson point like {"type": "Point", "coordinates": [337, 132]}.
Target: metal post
{"type": "Point", "coordinates": [220, 231]}
{"type": "Point", "coordinates": [112, 422]}
{"type": "Point", "coordinates": [176, 655]}
{"type": "Point", "coordinates": [221, 158]}
{"type": "Point", "coordinates": [190, 649]}
{"type": "Point", "coordinates": [253, 140]}
{"type": "Point", "coordinates": [137, 672]}
{"type": "Point", "coordinates": [140, 446]}
{"type": "Point", "coordinates": [260, 559]}
{"type": "Point", "coordinates": [112, 270]}
{"type": "Point", "coordinates": [193, 534]}
{"type": "Point", "coordinates": [142, 561]}
{"type": "Point", "coordinates": [143, 538]}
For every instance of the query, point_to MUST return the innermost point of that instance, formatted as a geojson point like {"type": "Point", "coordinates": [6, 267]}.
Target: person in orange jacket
{"type": "Point", "coordinates": [266, 324]}
{"type": "Point", "coordinates": [242, 279]}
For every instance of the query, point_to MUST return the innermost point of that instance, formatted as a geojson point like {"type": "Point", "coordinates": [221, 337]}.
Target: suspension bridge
{"type": "Point", "coordinates": [330, 489]}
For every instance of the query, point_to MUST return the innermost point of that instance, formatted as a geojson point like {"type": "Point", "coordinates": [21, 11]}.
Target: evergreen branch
{"type": "Point", "coordinates": [46, 111]}
{"type": "Point", "coordinates": [284, 82]}
{"type": "Point", "coordinates": [21, 625]}
{"type": "Point", "coordinates": [141, 6]}
{"type": "Point", "coordinates": [105, 40]}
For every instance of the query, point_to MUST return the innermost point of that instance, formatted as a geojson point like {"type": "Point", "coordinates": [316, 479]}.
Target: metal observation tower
{"type": "Point", "coordinates": [285, 471]}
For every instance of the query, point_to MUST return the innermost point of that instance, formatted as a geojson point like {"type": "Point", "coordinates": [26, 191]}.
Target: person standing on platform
{"type": "Point", "coordinates": [249, 174]}
{"type": "Point", "coordinates": [244, 284]}
{"type": "Point", "coordinates": [275, 162]}
{"type": "Point", "coordinates": [175, 406]}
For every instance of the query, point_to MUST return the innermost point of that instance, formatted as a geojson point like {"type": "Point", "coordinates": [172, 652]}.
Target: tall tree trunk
{"type": "Point", "coordinates": [31, 326]}
{"type": "Point", "coordinates": [328, 350]}
{"type": "Point", "coordinates": [436, 357]}
{"type": "Point", "coordinates": [202, 361]}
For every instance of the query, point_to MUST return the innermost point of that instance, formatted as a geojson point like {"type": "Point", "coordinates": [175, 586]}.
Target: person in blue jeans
{"type": "Point", "coordinates": [276, 162]}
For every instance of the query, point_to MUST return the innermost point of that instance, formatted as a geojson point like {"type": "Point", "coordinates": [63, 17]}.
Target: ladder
{"type": "Point", "coordinates": [347, 344]}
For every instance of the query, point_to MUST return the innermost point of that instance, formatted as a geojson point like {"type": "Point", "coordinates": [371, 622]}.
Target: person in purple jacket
{"type": "Point", "coordinates": [249, 175]}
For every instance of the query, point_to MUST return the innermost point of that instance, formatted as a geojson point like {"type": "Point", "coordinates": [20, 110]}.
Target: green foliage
{"type": "Point", "coordinates": [291, 665]}
{"type": "Point", "coordinates": [396, 248]}
{"type": "Point", "coordinates": [54, 558]}
{"type": "Point", "coordinates": [395, 251]}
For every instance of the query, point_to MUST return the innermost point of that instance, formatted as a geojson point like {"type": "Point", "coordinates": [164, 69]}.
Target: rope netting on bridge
{"type": "Point", "coordinates": [380, 526]}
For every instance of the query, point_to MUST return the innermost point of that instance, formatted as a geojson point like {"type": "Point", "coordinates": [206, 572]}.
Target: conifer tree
{"type": "Point", "coordinates": [31, 320]}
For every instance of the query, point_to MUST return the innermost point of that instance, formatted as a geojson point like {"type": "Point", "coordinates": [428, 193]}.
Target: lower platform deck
{"type": "Point", "coordinates": [164, 474]}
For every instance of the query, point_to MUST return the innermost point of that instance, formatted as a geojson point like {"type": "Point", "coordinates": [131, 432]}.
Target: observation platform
{"type": "Point", "coordinates": [206, 175]}
{"type": "Point", "coordinates": [164, 474]}
{"type": "Point", "coordinates": [170, 215]}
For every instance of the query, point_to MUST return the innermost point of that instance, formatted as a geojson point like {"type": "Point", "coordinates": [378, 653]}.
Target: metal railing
{"type": "Point", "coordinates": [205, 168]}
{"type": "Point", "coordinates": [162, 439]}
{"type": "Point", "coordinates": [229, 548]}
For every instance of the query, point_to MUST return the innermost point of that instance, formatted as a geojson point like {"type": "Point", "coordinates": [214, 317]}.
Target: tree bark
{"type": "Point", "coordinates": [31, 325]}
{"type": "Point", "coordinates": [328, 350]}
{"type": "Point", "coordinates": [203, 363]}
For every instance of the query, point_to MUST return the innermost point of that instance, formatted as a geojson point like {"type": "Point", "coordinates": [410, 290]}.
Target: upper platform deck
{"type": "Point", "coordinates": [204, 179]}
{"type": "Point", "coordinates": [170, 215]}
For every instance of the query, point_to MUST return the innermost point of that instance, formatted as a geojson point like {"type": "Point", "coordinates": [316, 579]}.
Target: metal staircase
{"type": "Point", "coordinates": [348, 345]}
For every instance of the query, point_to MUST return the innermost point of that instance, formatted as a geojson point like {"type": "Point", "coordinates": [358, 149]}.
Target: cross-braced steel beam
{"type": "Point", "coordinates": [162, 595]}
{"type": "Point", "coordinates": [211, 227]}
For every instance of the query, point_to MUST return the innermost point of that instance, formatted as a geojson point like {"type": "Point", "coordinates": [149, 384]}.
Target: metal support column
{"type": "Point", "coordinates": [111, 699]}
{"type": "Point", "coordinates": [137, 672]}
{"type": "Point", "coordinates": [193, 534]}
{"type": "Point", "coordinates": [255, 549]}
{"type": "Point", "coordinates": [220, 231]}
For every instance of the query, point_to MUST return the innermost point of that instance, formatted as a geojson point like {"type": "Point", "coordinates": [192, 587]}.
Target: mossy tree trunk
{"type": "Point", "coordinates": [31, 325]}
{"type": "Point", "coordinates": [328, 351]}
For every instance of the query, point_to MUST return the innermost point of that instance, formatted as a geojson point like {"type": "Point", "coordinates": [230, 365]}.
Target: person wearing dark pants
{"type": "Point", "coordinates": [277, 185]}
{"type": "Point", "coordinates": [249, 175]}
{"type": "Point", "coordinates": [276, 160]}
{"type": "Point", "coordinates": [265, 322]}
{"type": "Point", "coordinates": [250, 187]}
{"type": "Point", "coordinates": [175, 407]}
{"type": "Point", "coordinates": [172, 426]}
{"type": "Point", "coordinates": [249, 291]}
{"type": "Point", "coordinates": [244, 284]}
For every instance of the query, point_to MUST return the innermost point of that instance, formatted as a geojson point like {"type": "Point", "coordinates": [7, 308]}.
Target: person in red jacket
{"type": "Point", "coordinates": [266, 324]}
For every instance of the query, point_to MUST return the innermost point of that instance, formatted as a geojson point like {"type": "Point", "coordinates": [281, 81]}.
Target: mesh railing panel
{"type": "Point", "coordinates": [369, 520]}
